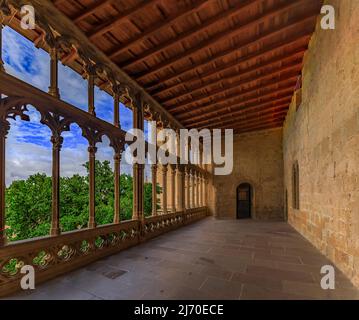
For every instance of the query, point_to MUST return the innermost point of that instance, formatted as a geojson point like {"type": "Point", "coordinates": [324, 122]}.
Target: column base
{"type": "Point", "coordinates": [55, 231]}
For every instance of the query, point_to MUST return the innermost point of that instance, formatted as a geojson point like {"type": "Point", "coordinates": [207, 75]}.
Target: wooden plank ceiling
{"type": "Point", "coordinates": [210, 63]}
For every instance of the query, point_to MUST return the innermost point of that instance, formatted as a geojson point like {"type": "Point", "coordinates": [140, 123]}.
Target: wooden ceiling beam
{"type": "Point", "coordinates": [254, 123]}
{"type": "Point", "coordinates": [246, 108]}
{"type": "Point", "coordinates": [58, 2]}
{"type": "Point", "coordinates": [229, 66]}
{"type": "Point", "coordinates": [237, 75]}
{"type": "Point", "coordinates": [221, 37]}
{"type": "Point", "coordinates": [240, 109]}
{"type": "Point", "coordinates": [248, 118]}
{"type": "Point", "coordinates": [220, 55]}
{"type": "Point", "coordinates": [293, 69]}
{"type": "Point", "coordinates": [224, 15]}
{"type": "Point", "coordinates": [113, 22]}
{"type": "Point", "coordinates": [254, 108]}
{"type": "Point", "coordinates": [166, 23]}
{"type": "Point", "coordinates": [275, 125]}
{"type": "Point", "coordinates": [97, 5]}
{"type": "Point", "coordinates": [213, 110]}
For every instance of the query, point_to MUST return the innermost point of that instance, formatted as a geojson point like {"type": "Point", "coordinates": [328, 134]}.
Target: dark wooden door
{"type": "Point", "coordinates": [244, 201]}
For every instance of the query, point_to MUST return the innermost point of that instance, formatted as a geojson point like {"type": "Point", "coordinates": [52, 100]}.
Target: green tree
{"type": "Point", "coordinates": [28, 202]}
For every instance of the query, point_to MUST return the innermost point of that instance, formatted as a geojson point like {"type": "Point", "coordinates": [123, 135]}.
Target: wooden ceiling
{"type": "Point", "coordinates": [210, 63]}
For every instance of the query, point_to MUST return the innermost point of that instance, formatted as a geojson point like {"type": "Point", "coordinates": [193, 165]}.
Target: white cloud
{"type": "Point", "coordinates": [28, 149]}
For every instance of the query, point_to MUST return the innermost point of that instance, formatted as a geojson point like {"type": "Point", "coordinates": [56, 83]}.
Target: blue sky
{"type": "Point", "coordinates": [28, 148]}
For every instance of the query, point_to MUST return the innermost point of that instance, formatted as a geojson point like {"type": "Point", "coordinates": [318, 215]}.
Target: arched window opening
{"type": "Point", "coordinates": [74, 189]}
{"type": "Point", "coordinates": [295, 185]}
{"type": "Point", "coordinates": [28, 179]}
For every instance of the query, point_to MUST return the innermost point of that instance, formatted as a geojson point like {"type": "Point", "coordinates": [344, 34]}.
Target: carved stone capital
{"type": "Point", "coordinates": [4, 128]}
{"type": "Point", "coordinates": [93, 136]}
{"type": "Point", "coordinates": [92, 150]}
{"type": "Point", "coordinates": [57, 142]}
{"type": "Point", "coordinates": [117, 157]}
{"type": "Point", "coordinates": [118, 144]}
{"type": "Point", "coordinates": [90, 70]}
{"type": "Point", "coordinates": [164, 168]}
{"type": "Point", "coordinates": [55, 122]}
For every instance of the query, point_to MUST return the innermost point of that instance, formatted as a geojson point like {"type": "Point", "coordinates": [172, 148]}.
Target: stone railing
{"type": "Point", "coordinates": [156, 225]}
{"type": "Point", "coordinates": [53, 256]}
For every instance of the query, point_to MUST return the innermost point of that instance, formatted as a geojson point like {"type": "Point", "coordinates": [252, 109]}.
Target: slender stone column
{"type": "Point", "coordinates": [4, 128]}
{"type": "Point", "coordinates": [54, 88]}
{"type": "Point", "coordinates": [117, 184]}
{"type": "Point", "coordinates": [205, 191]}
{"type": "Point", "coordinates": [197, 190]}
{"type": "Point", "coordinates": [179, 188]}
{"type": "Point", "coordinates": [201, 191]}
{"type": "Point", "coordinates": [116, 110]}
{"type": "Point", "coordinates": [138, 168]}
{"type": "Point", "coordinates": [154, 189]}
{"type": "Point", "coordinates": [92, 187]}
{"type": "Point", "coordinates": [91, 74]}
{"type": "Point", "coordinates": [57, 141]}
{"type": "Point", "coordinates": [1, 60]}
{"type": "Point", "coordinates": [172, 188]}
{"type": "Point", "coordinates": [164, 189]}
{"type": "Point", "coordinates": [193, 190]}
{"type": "Point", "coordinates": [187, 188]}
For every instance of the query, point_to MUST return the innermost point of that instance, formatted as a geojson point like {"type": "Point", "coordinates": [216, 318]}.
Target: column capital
{"type": "Point", "coordinates": [117, 156]}
{"type": "Point", "coordinates": [57, 141]}
{"type": "Point", "coordinates": [92, 150]}
{"type": "Point", "coordinates": [4, 128]}
{"type": "Point", "coordinates": [164, 168]}
{"type": "Point", "coordinates": [90, 70]}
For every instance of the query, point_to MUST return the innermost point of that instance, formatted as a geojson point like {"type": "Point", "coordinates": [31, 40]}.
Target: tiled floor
{"type": "Point", "coordinates": [211, 259]}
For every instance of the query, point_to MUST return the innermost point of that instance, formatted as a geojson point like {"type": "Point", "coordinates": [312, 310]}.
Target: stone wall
{"type": "Point", "coordinates": [258, 160]}
{"type": "Point", "coordinates": [323, 136]}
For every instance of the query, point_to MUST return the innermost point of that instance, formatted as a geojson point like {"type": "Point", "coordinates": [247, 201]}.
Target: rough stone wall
{"type": "Point", "coordinates": [323, 136]}
{"type": "Point", "coordinates": [258, 160]}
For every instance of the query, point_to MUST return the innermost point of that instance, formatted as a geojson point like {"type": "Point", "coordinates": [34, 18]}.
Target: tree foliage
{"type": "Point", "coordinates": [28, 202]}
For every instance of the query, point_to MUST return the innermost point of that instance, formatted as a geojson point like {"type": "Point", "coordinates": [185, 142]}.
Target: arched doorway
{"type": "Point", "coordinates": [244, 201]}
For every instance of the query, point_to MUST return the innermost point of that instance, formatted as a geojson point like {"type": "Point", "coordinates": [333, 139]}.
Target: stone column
{"type": "Point", "coordinates": [117, 184]}
{"type": "Point", "coordinates": [92, 187]}
{"type": "Point", "coordinates": [1, 60]}
{"type": "Point", "coordinates": [116, 110]}
{"type": "Point", "coordinates": [91, 74]}
{"type": "Point", "coordinates": [187, 188]}
{"type": "Point", "coordinates": [54, 88]}
{"type": "Point", "coordinates": [4, 129]}
{"type": "Point", "coordinates": [201, 190]}
{"type": "Point", "coordinates": [172, 188]}
{"type": "Point", "coordinates": [179, 188]}
{"type": "Point", "coordinates": [197, 189]}
{"type": "Point", "coordinates": [164, 189]}
{"type": "Point", "coordinates": [154, 189]}
{"type": "Point", "coordinates": [193, 190]}
{"type": "Point", "coordinates": [205, 191]}
{"type": "Point", "coordinates": [138, 169]}
{"type": "Point", "coordinates": [56, 141]}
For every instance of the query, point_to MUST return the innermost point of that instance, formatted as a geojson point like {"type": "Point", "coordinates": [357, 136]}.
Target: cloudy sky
{"type": "Point", "coordinates": [28, 148]}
